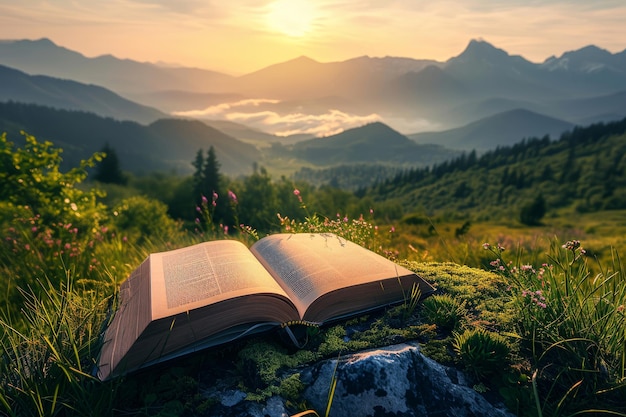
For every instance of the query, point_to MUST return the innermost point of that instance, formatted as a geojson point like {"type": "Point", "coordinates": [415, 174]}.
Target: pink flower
{"type": "Point", "coordinates": [232, 196]}
{"type": "Point", "coordinates": [296, 192]}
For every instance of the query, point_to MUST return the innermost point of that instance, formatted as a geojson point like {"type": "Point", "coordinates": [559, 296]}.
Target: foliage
{"type": "Point", "coordinates": [109, 171]}
{"type": "Point", "coordinates": [47, 221]}
{"type": "Point", "coordinates": [64, 252]}
{"type": "Point", "coordinates": [207, 184]}
{"type": "Point", "coordinates": [445, 311]}
{"type": "Point", "coordinates": [484, 353]}
{"type": "Point", "coordinates": [572, 325]}
{"type": "Point", "coordinates": [360, 230]}
{"type": "Point", "coordinates": [140, 218]}
{"type": "Point", "coordinates": [46, 368]}
{"type": "Point", "coordinates": [30, 179]}
{"type": "Point", "coordinates": [584, 168]}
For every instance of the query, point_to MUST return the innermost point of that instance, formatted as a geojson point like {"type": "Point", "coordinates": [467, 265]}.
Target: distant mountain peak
{"type": "Point", "coordinates": [587, 59]}
{"type": "Point", "coordinates": [478, 50]}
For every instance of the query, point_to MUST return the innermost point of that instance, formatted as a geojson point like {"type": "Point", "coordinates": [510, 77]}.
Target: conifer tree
{"type": "Point", "coordinates": [108, 170]}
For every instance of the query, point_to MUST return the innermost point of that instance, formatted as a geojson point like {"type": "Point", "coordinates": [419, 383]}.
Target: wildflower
{"type": "Point", "coordinates": [371, 211]}
{"type": "Point", "coordinates": [500, 248]}
{"type": "Point", "coordinates": [33, 229]}
{"type": "Point", "coordinates": [226, 229]}
{"type": "Point", "coordinates": [486, 245]}
{"type": "Point", "coordinates": [27, 246]}
{"type": "Point", "coordinates": [620, 308]}
{"type": "Point", "coordinates": [204, 200]}
{"type": "Point", "coordinates": [393, 229]}
{"type": "Point", "coordinates": [232, 196]}
{"type": "Point", "coordinates": [296, 192]}
{"type": "Point", "coordinates": [198, 209]}
{"type": "Point", "coordinates": [571, 245]}
{"type": "Point", "coordinates": [197, 220]}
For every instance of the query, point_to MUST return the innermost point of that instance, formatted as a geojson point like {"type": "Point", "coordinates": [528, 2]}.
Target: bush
{"type": "Point", "coordinates": [482, 352]}
{"type": "Point", "coordinates": [444, 311]}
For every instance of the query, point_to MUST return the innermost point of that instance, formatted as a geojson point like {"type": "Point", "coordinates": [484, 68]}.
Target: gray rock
{"type": "Point", "coordinates": [396, 381]}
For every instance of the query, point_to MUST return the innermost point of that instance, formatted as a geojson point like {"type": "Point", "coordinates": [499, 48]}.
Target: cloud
{"type": "Point", "coordinates": [223, 108]}
{"type": "Point", "coordinates": [260, 114]}
{"type": "Point", "coordinates": [329, 123]}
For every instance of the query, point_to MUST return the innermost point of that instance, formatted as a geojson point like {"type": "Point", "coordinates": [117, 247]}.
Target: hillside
{"type": "Point", "coordinates": [502, 129]}
{"type": "Point", "coordinates": [584, 170]}
{"type": "Point", "coordinates": [124, 76]}
{"type": "Point", "coordinates": [166, 145]}
{"type": "Point", "coordinates": [71, 95]}
{"type": "Point", "coordinates": [374, 142]}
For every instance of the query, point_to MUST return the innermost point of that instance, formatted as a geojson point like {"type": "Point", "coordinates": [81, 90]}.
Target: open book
{"type": "Point", "coordinates": [184, 300]}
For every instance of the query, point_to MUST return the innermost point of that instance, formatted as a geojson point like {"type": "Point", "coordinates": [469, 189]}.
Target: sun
{"type": "Point", "coordinates": [291, 17]}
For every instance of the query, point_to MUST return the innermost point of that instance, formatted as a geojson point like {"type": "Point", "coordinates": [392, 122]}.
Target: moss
{"type": "Point", "coordinates": [485, 293]}
{"type": "Point", "coordinates": [439, 351]}
{"type": "Point", "coordinates": [291, 387]}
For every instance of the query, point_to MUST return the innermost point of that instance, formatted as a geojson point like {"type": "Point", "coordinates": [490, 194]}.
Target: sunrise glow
{"type": "Point", "coordinates": [293, 18]}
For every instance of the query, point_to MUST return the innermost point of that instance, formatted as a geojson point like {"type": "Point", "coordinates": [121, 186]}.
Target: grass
{"type": "Point", "coordinates": [559, 309]}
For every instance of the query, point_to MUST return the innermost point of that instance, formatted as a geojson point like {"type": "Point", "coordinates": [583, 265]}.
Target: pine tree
{"type": "Point", "coordinates": [108, 170]}
{"type": "Point", "coordinates": [211, 173]}
{"type": "Point", "coordinates": [206, 183]}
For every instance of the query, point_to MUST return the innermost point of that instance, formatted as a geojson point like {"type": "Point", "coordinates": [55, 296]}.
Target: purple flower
{"type": "Point", "coordinates": [232, 196]}
{"type": "Point", "coordinates": [204, 200]}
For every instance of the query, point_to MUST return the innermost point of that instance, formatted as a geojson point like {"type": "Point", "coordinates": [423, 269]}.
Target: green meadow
{"type": "Point", "coordinates": [530, 297]}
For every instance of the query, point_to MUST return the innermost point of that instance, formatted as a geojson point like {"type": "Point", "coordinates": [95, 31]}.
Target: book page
{"type": "Point", "coordinates": [309, 266]}
{"type": "Point", "coordinates": [206, 273]}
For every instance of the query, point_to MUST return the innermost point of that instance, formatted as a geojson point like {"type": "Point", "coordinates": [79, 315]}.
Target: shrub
{"type": "Point", "coordinates": [484, 353]}
{"type": "Point", "coordinates": [444, 311]}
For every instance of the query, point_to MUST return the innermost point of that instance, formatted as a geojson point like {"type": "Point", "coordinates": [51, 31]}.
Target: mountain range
{"type": "Point", "coordinates": [478, 100]}
{"type": "Point", "coordinates": [450, 93]}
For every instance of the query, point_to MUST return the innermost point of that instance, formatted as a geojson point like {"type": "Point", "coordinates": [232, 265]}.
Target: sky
{"type": "Point", "coordinates": [241, 36]}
